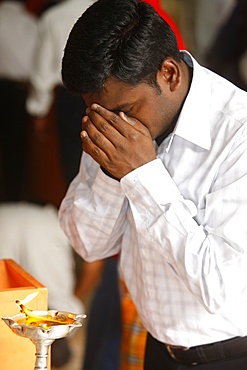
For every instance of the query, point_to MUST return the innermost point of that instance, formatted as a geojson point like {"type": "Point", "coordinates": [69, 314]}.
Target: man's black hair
{"type": "Point", "coordinates": [126, 39]}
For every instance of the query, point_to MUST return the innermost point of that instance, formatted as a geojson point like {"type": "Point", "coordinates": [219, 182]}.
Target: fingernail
{"type": "Point", "coordinates": [83, 134]}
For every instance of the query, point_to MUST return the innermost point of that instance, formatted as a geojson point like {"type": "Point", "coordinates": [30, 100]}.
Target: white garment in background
{"type": "Point", "coordinates": [54, 28]}
{"type": "Point", "coordinates": [18, 35]}
{"type": "Point", "coordinates": [30, 235]}
{"type": "Point", "coordinates": [209, 17]}
{"type": "Point", "coordinates": [179, 222]}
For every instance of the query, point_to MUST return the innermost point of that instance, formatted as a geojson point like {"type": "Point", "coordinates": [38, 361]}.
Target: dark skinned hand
{"type": "Point", "coordinates": [119, 143]}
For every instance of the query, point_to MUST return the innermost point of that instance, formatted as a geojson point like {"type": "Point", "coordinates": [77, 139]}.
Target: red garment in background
{"type": "Point", "coordinates": [157, 6]}
{"type": "Point", "coordinates": [36, 6]}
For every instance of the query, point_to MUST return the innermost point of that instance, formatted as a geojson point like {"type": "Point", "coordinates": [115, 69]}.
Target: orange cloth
{"type": "Point", "coordinates": [133, 336]}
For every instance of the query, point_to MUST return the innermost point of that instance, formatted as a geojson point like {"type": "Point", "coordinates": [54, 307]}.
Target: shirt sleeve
{"type": "Point", "coordinates": [93, 213]}
{"type": "Point", "coordinates": [208, 256]}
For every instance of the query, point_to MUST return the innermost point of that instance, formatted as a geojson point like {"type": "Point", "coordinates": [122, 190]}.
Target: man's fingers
{"type": "Point", "coordinates": [99, 130]}
{"type": "Point", "coordinates": [106, 121]}
{"type": "Point", "coordinates": [134, 122]}
{"type": "Point", "coordinates": [116, 121]}
{"type": "Point", "coordinates": [92, 149]}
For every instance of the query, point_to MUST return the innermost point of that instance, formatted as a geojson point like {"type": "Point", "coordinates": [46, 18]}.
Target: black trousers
{"type": "Point", "coordinates": [69, 112]}
{"type": "Point", "coordinates": [158, 358]}
{"type": "Point", "coordinates": [13, 140]}
{"type": "Point", "coordinates": [103, 336]}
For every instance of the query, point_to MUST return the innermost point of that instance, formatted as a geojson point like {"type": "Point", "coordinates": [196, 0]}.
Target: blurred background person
{"type": "Point", "coordinates": [209, 16]}
{"type": "Point", "coordinates": [46, 91]}
{"type": "Point", "coordinates": [198, 21]}
{"type": "Point", "coordinates": [18, 37]}
{"type": "Point", "coordinates": [230, 45]}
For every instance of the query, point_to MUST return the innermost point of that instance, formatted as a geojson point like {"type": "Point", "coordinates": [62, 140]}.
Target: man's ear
{"type": "Point", "coordinates": [169, 74]}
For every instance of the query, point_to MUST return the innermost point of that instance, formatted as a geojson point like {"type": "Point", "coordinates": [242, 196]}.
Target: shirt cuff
{"type": "Point", "coordinates": [103, 182]}
{"type": "Point", "coordinates": [152, 180]}
{"type": "Point", "coordinates": [38, 103]}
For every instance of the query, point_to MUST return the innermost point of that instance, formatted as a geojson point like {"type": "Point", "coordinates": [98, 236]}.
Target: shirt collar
{"type": "Point", "coordinates": [194, 120]}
